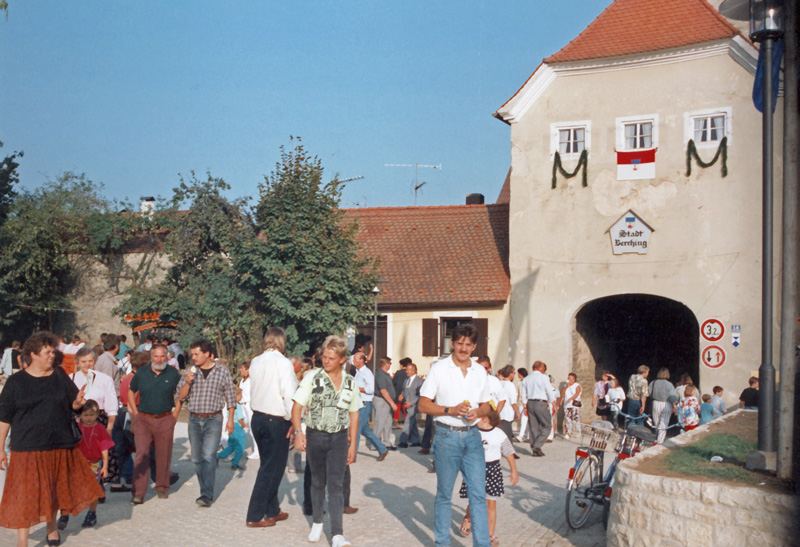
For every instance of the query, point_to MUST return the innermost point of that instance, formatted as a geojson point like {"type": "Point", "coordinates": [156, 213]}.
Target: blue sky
{"type": "Point", "coordinates": [132, 94]}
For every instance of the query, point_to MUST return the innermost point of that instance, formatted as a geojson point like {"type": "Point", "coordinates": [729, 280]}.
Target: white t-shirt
{"type": "Point", "coordinates": [496, 391]}
{"type": "Point", "coordinates": [365, 379]}
{"type": "Point", "coordinates": [538, 387]}
{"type": "Point", "coordinates": [507, 413]}
{"type": "Point", "coordinates": [446, 385]}
{"type": "Point", "coordinates": [496, 444]}
{"type": "Point", "coordinates": [618, 394]}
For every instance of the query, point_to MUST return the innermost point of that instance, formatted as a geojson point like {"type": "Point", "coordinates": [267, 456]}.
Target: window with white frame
{"type": "Point", "coordinates": [570, 138]}
{"type": "Point", "coordinates": [708, 127]}
{"type": "Point", "coordinates": [638, 135]}
{"type": "Point", "coordinates": [637, 132]}
{"type": "Point", "coordinates": [571, 141]}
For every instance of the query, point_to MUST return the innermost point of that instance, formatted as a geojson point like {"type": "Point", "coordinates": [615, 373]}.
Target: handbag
{"type": "Point", "coordinates": [75, 429]}
{"type": "Point", "coordinates": [576, 403]}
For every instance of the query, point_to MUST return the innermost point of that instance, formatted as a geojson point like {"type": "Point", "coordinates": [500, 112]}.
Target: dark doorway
{"type": "Point", "coordinates": [379, 345]}
{"type": "Point", "coordinates": [619, 333]}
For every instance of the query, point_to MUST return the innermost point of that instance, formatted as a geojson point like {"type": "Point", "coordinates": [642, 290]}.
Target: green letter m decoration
{"type": "Point", "coordinates": [691, 152]}
{"type": "Point", "coordinates": [558, 168]}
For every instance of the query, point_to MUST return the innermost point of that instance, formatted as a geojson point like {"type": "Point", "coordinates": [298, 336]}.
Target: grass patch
{"type": "Point", "coordinates": [695, 459]}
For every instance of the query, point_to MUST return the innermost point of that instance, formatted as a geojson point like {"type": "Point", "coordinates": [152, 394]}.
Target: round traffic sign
{"type": "Point", "coordinates": [713, 356]}
{"type": "Point", "coordinates": [712, 330]}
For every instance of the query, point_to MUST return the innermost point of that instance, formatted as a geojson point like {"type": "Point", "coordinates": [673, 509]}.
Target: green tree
{"type": "Point", "coordinates": [201, 293]}
{"type": "Point", "coordinates": [43, 229]}
{"type": "Point", "coordinates": [304, 267]}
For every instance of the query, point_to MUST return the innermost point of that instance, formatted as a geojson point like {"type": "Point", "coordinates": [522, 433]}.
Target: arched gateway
{"type": "Point", "coordinates": [620, 332]}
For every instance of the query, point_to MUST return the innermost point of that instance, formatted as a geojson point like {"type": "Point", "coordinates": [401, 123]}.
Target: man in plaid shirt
{"type": "Point", "coordinates": [205, 389]}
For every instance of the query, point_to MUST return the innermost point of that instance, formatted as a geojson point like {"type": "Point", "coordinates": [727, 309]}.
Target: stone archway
{"type": "Point", "coordinates": [620, 332]}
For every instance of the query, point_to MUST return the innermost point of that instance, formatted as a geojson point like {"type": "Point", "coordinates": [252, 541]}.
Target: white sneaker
{"type": "Point", "coordinates": [316, 533]}
{"type": "Point", "coordinates": [253, 456]}
{"type": "Point", "coordinates": [339, 541]}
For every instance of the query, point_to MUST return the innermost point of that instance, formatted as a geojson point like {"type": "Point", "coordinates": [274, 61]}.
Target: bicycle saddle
{"type": "Point", "coordinates": [642, 433]}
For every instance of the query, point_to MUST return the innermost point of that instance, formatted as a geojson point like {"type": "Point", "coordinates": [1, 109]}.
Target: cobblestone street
{"type": "Point", "coordinates": [394, 497]}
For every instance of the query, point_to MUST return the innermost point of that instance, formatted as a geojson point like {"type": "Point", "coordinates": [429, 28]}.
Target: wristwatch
{"type": "Point", "coordinates": [447, 410]}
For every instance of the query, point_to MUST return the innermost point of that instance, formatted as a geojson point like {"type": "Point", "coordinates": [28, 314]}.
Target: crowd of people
{"type": "Point", "coordinates": [82, 427]}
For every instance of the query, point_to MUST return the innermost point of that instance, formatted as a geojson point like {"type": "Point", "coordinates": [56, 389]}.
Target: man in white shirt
{"type": "Point", "coordinates": [272, 386]}
{"type": "Point", "coordinates": [539, 398]}
{"type": "Point", "coordinates": [107, 363]}
{"type": "Point", "coordinates": [365, 381]}
{"type": "Point", "coordinates": [456, 393]}
{"type": "Point", "coordinates": [510, 410]}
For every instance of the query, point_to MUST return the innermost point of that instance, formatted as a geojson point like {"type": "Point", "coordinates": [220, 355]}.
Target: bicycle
{"type": "Point", "coordinates": [588, 484]}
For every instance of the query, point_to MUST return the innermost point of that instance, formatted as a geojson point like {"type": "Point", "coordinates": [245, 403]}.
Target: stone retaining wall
{"type": "Point", "coordinates": [650, 510]}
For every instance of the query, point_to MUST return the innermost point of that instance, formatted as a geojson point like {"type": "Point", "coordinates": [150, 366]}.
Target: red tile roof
{"type": "Point", "coordinates": [437, 256]}
{"type": "Point", "coordinates": [628, 27]}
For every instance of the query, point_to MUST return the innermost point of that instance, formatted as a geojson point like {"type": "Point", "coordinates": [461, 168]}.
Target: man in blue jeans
{"type": "Point", "coordinates": [456, 393]}
{"type": "Point", "coordinates": [365, 381]}
{"type": "Point", "coordinates": [206, 388]}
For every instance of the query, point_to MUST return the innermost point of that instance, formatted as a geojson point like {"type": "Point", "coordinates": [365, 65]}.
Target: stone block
{"type": "Point", "coordinates": [660, 503]}
{"type": "Point", "coordinates": [681, 489]}
{"type": "Point", "coordinates": [716, 514]}
{"type": "Point", "coordinates": [698, 533]}
{"type": "Point", "coordinates": [638, 518]}
{"type": "Point", "coordinates": [709, 492]}
{"type": "Point", "coordinates": [762, 461]}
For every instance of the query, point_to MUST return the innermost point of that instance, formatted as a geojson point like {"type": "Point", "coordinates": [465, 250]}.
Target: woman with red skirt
{"type": "Point", "coordinates": [45, 473]}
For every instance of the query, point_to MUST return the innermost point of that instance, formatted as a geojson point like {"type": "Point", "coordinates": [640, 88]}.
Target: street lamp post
{"type": "Point", "coordinates": [766, 23]}
{"type": "Point", "coordinates": [376, 291]}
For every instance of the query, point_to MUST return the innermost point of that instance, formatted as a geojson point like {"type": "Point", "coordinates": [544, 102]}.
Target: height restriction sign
{"type": "Point", "coordinates": [713, 356]}
{"type": "Point", "coordinates": [712, 330]}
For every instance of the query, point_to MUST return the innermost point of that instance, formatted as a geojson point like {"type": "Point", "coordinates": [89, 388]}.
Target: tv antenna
{"type": "Point", "coordinates": [416, 166]}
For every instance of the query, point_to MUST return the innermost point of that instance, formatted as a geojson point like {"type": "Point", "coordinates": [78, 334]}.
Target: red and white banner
{"type": "Point", "coordinates": [636, 164]}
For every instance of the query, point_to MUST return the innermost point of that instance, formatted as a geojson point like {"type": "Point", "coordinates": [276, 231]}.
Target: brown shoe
{"type": "Point", "coordinates": [280, 516]}
{"type": "Point", "coordinates": [383, 456]}
{"type": "Point", "coordinates": [163, 495]}
{"type": "Point", "coordinates": [348, 510]}
{"type": "Point", "coordinates": [424, 451]}
{"type": "Point", "coordinates": [263, 523]}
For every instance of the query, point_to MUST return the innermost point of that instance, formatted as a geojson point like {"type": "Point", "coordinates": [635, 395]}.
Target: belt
{"type": "Point", "coordinates": [538, 400]}
{"type": "Point", "coordinates": [156, 416]}
{"type": "Point", "coordinates": [198, 415]}
{"type": "Point", "coordinates": [456, 428]}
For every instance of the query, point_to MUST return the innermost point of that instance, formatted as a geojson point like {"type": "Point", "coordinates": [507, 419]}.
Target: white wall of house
{"type": "Point", "coordinates": [705, 251]}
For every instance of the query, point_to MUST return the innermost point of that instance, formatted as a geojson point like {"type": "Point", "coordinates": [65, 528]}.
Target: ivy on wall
{"type": "Point", "coordinates": [722, 152]}
{"type": "Point", "coordinates": [583, 161]}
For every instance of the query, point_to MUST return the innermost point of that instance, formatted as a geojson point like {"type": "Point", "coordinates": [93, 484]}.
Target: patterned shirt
{"type": "Point", "coordinates": [208, 395]}
{"type": "Point", "coordinates": [328, 410]}
{"type": "Point", "coordinates": [637, 387]}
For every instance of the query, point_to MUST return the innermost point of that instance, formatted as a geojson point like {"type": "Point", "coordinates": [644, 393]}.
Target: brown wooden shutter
{"type": "Point", "coordinates": [483, 337]}
{"type": "Point", "coordinates": [430, 337]}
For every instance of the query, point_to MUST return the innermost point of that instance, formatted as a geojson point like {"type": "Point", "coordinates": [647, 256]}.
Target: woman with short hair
{"type": "Point", "coordinates": [46, 472]}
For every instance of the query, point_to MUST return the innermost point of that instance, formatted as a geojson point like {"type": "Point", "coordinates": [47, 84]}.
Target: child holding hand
{"type": "Point", "coordinates": [94, 444]}
{"type": "Point", "coordinates": [496, 444]}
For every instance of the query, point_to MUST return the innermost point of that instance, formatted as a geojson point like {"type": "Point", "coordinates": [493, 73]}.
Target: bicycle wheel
{"type": "Point", "coordinates": [579, 505]}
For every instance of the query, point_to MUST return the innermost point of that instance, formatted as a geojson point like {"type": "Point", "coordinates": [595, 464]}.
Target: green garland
{"type": "Point", "coordinates": [582, 162]}
{"type": "Point", "coordinates": [691, 152]}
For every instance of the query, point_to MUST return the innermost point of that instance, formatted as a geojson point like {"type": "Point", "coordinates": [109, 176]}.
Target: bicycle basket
{"type": "Point", "coordinates": [598, 436]}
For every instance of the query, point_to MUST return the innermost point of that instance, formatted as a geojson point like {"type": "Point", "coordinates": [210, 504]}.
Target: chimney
{"type": "Point", "coordinates": [147, 205]}
{"type": "Point", "coordinates": [474, 199]}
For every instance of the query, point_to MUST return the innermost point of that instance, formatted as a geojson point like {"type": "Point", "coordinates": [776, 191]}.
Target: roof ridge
{"type": "Point", "coordinates": [626, 27]}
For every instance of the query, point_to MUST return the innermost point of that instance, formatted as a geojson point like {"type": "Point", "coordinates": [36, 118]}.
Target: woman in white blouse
{"type": "Point", "coordinates": [99, 386]}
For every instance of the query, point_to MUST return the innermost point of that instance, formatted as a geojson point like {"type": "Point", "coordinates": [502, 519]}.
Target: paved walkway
{"type": "Point", "coordinates": [394, 497]}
